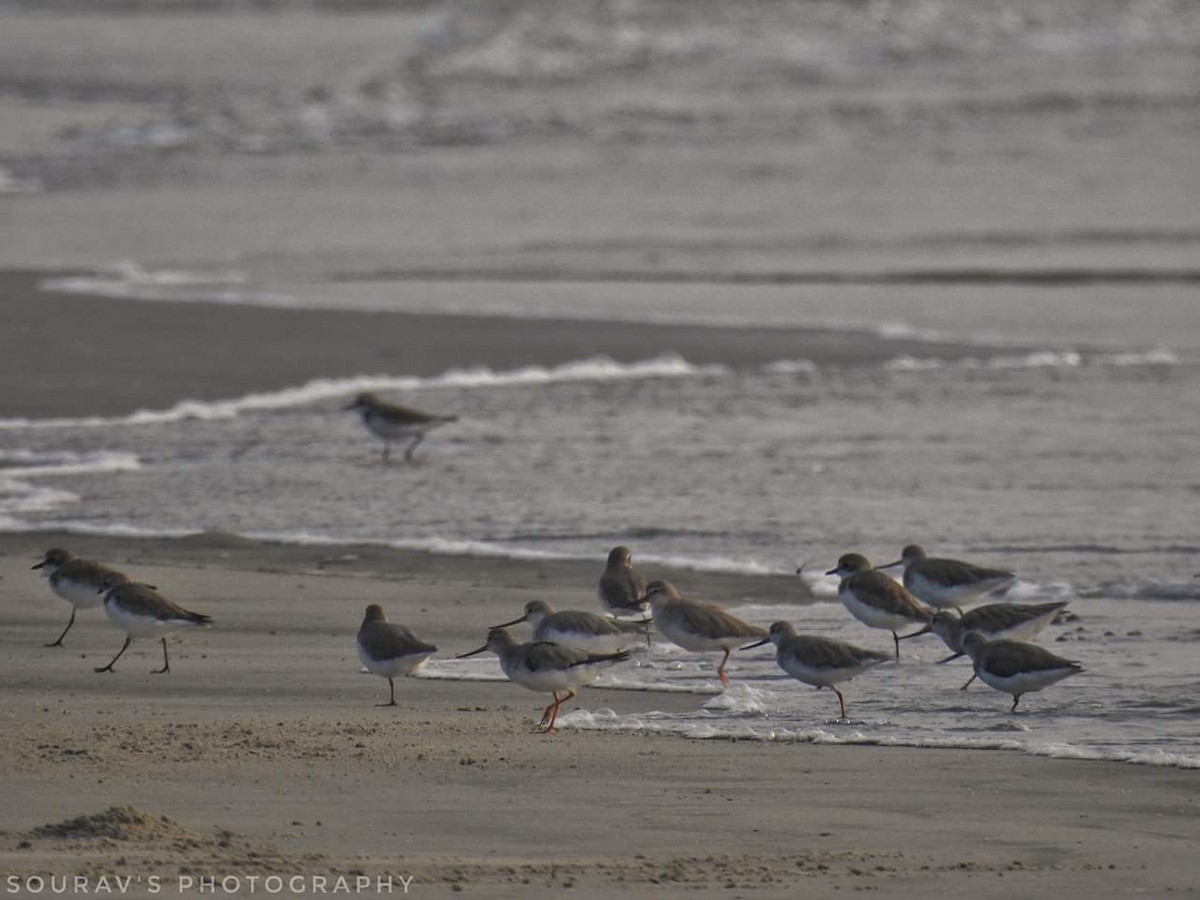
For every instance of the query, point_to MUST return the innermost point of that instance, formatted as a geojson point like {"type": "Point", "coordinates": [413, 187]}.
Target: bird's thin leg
{"type": "Point", "coordinates": [550, 729]}
{"type": "Point", "coordinates": [969, 680]}
{"type": "Point", "coordinates": [58, 643]}
{"type": "Point", "coordinates": [950, 658]}
{"type": "Point", "coordinates": [408, 451]}
{"type": "Point", "coordinates": [1016, 700]}
{"type": "Point", "coordinates": [392, 694]}
{"type": "Point", "coordinates": [166, 662]}
{"type": "Point", "coordinates": [721, 669]}
{"type": "Point", "coordinates": [546, 712]}
{"type": "Point", "coordinates": [124, 647]}
{"type": "Point", "coordinates": [896, 639]}
{"type": "Point", "coordinates": [841, 701]}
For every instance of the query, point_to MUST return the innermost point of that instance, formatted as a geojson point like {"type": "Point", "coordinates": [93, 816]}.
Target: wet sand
{"type": "Point", "coordinates": [67, 355]}
{"type": "Point", "coordinates": [263, 752]}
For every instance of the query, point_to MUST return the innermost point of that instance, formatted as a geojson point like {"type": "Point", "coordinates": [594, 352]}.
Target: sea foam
{"type": "Point", "coordinates": [597, 368]}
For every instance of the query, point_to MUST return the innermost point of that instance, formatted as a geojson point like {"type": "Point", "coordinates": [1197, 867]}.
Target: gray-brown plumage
{"type": "Point", "coordinates": [577, 628]}
{"type": "Point", "coordinates": [947, 583]}
{"type": "Point", "coordinates": [75, 580]}
{"type": "Point", "coordinates": [998, 621]}
{"type": "Point", "coordinates": [391, 421]}
{"type": "Point", "coordinates": [876, 599]}
{"type": "Point", "coordinates": [546, 666]}
{"type": "Point", "coordinates": [1015, 667]}
{"type": "Point", "coordinates": [140, 611]}
{"type": "Point", "coordinates": [698, 626]}
{"type": "Point", "coordinates": [390, 650]}
{"type": "Point", "coordinates": [622, 590]}
{"type": "Point", "coordinates": [820, 661]}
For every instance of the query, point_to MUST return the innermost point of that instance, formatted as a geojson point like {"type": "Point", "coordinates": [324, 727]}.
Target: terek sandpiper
{"type": "Point", "coordinates": [546, 666]}
{"type": "Point", "coordinates": [622, 590]}
{"type": "Point", "coordinates": [698, 626]}
{"type": "Point", "coordinates": [576, 628]}
{"type": "Point", "coordinates": [390, 421]}
{"type": "Point", "coordinates": [875, 599]}
{"type": "Point", "coordinates": [819, 661]}
{"type": "Point", "coordinates": [75, 580]}
{"type": "Point", "coordinates": [389, 650]}
{"type": "Point", "coordinates": [140, 611]}
{"type": "Point", "coordinates": [998, 621]}
{"type": "Point", "coordinates": [1015, 667]}
{"type": "Point", "coordinates": [947, 583]}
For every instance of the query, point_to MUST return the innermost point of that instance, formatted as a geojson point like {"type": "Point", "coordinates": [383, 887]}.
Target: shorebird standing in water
{"type": "Point", "coordinates": [875, 599]}
{"type": "Point", "coordinates": [621, 589]}
{"type": "Point", "coordinates": [546, 666]}
{"type": "Point", "coordinates": [576, 628]}
{"type": "Point", "coordinates": [1015, 667]}
{"type": "Point", "coordinates": [140, 611]}
{"type": "Point", "coordinates": [998, 621]}
{"type": "Point", "coordinates": [75, 580]}
{"type": "Point", "coordinates": [819, 661]}
{"type": "Point", "coordinates": [390, 421]}
{"type": "Point", "coordinates": [947, 583]}
{"type": "Point", "coordinates": [389, 650]}
{"type": "Point", "coordinates": [698, 626]}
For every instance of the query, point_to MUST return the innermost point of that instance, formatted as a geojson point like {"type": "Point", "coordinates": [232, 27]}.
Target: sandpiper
{"type": "Point", "coordinates": [390, 421]}
{"type": "Point", "coordinates": [698, 626]}
{"type": "Point", "coordinates": [75, 580]}
{"type": "Point", "coordinates": [622, 590]}
{"type": "Point", "coordinates": [819, 661]}
{"type": "Point", "coordinates": [1015, 667]}
{"type": "Point", "coordinates": [140, 611]}
{"type": "Point", "coordinates": [998, 621]}
{"type": "Point", "coordinates": [546, 666]}
{"type": "Point", "coordinates": [875, 599]}
{"type": "Point", "coordinates": [576, 628]}
{"type": "Point", "coordinates": [947, 583]}
{"type": "Point", "coordinates": [389, 650]}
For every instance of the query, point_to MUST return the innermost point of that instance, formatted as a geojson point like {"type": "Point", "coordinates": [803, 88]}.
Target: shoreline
{"type": "Point", "coordinates": [267, 754]}
{"type": "Point", "coordinates": [140, 354]}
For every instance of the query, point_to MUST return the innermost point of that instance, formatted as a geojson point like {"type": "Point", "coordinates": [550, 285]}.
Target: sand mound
{"type": "Point", "coordinates": [121, 823]}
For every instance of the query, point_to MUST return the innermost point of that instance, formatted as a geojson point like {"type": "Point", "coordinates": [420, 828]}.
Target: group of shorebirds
{"type": "Point", "coordinates": [570, 648]}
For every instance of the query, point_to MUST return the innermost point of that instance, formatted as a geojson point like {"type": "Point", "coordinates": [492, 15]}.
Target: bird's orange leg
{"type": "Point", "coordinates": [550, 729]}
{"type": "Point", "coordinates": [546, 717]}
{"type": "Point", "coordinates": [721, 669]}
{"type": "Point", "coordinates": [841, 700]}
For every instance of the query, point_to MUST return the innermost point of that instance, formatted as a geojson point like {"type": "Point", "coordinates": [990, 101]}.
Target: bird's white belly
{"type": "Point", "coordinates": [78, 594]}
{"type": "Point", "coordinates": [943, 596]}
{"type": "Point", "coordinates": [141, 626]}
{"type": "Point", "coordinates": [817, 677]}
{"type": "Point", "coordinates": [1025, 682]}
{"type": "Point", "coordinates": [1024, 631]}
{"type": "Point", "coordinates": [871, 615]}
{"type": "Point", "coordinates": [555, 679]}
{"type": "Point", "coordinates": [397, 667]}
{"type": "Point", "coordinates": [696, 642]}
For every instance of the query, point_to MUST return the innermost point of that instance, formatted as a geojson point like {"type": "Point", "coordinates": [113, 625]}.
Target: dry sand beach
{"type": "Point", "coordinates": [262, 753]}
{"type": "Point", "coordinates": [870, 195]}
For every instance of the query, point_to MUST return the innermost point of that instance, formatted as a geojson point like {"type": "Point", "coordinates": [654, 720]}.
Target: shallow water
{"type": "Point", "coordinates": [1135, 700]}
{"type": "Point", "coordinates": [1035, 151]}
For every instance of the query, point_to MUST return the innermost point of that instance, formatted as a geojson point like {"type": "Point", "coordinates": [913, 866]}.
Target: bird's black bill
{"type": "Point", "coordinates": [925, 630]}
{"type": "Point", "coordinates": [472, 653]}
{"type": "Point", "coordinates": [765, 640]}
{"type": "Point", "coordinates": [40, 565]}
{"type": "Point", "coordinates": [513, 622]}
{"type": "Point", "coordinates": [892, 565]}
